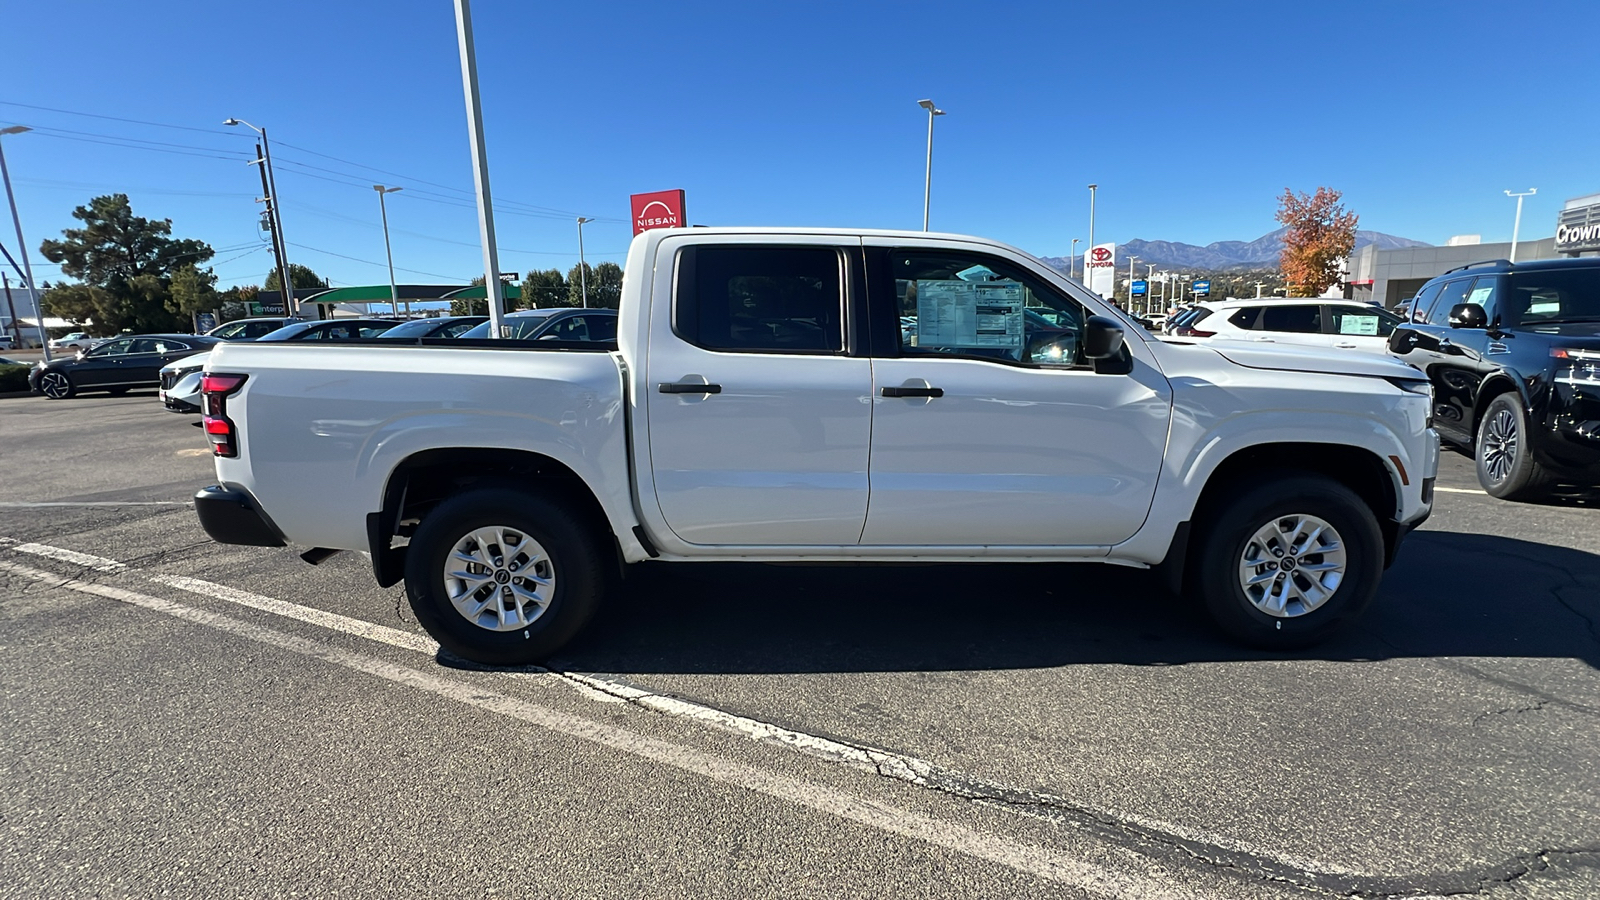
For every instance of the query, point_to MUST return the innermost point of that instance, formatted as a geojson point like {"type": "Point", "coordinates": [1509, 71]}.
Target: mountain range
{"type": "Point", "coordinates": [1223, 255]}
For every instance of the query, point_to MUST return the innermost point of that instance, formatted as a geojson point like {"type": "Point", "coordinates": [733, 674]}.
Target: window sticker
{"type": "Point", "coordinates": [1349, 324]}
{"type": "Point", "coordinates": [1480, 295]}
{"type": "Point", "coordinates": [969, 315]}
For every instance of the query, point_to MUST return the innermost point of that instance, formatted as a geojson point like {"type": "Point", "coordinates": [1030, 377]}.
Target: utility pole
{"type": "Point", "coordinates": [272, 226]}
{"type": "Point", "coordinates": [269, 184]}
{"type": "Point", "coordinates": [583, 268]}
{"type": "Point", "coordinates": [22, 243]}
{"type": "Point", "coordinates": [1517, 225]}
{"type": "Point", "coordinates": [480, 169]}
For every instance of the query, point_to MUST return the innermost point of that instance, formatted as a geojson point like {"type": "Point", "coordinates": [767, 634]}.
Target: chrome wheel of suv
{"type": "Point", "coordinates": [1498, 446]}
{"type": "Point", "coordinates": [1292, 565]}
{"type": "Point", "coordinates": [499, 578]}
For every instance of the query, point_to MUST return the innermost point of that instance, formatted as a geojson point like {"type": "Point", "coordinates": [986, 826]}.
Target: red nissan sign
{"type": "Point", "coordinates": [660, 209]}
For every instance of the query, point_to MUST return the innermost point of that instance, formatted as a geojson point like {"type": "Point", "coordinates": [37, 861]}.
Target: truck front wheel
{"type": "Point", "coordinates": [1287, 562]}
{"type": "Point", "coordinates": [503, 577]}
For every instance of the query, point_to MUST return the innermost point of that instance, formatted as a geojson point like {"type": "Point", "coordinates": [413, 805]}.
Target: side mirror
{"type": "Point", "coordinates": [1102, 337]}
{"type": "Point", "coordinates": [1468, 315]}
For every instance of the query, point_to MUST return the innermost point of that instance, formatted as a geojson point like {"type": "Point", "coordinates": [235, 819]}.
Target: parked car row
{"type": "Point", "coordinates": [1512, 351]}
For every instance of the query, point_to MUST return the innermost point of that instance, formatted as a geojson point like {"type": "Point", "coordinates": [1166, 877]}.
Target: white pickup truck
{"type": "Point", "coordinates": [809, 394]}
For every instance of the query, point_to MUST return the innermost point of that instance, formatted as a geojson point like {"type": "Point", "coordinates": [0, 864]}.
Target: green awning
{"type": "Point", "coordinates": [361, 293]}
{"type": "Point", "coordinates": [480, 292]}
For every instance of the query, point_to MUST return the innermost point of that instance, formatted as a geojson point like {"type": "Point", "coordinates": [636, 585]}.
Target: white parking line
{"type": "Point", "coordinates": [98, 563]}
{"type": "Point", "coordinates": [1450, 490]}
{"type": "Point", "coordinates": [381, 633]}
{"type": "Point", "coordinates": [1030, 859]}
{"type": "Point", "coordinates": [43, 504]}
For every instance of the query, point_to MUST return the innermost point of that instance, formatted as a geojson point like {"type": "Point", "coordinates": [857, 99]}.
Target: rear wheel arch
{"type": "Point", "coordinates": [425, 479]}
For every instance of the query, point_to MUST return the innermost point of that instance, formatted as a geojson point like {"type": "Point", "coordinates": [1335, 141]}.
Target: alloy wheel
{"type": "Point", "coordinates": [55, 385]}
{"type": "Point", "coordinates": [1292, 565]}
{"type": "Point", "coordinates": [499, 578]}
{"type": "Point", "coordinates": [1499, 448]}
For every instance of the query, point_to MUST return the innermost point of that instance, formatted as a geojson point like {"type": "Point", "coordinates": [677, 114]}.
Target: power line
{"type": "Point", "coordinates": [371, 263]}
{"type": "Point", "coordinates": [70, 112]}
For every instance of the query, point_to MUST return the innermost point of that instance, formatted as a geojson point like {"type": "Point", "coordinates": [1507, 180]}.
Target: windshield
{"type": "Point", "coordinates": [520, 325]}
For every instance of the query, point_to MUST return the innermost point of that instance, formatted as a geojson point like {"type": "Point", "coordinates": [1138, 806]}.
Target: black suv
{"type": "Point", "coordinates": [1513, 351]}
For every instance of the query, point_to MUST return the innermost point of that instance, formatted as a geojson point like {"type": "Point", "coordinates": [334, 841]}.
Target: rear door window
{"type": "Point", "coordinates": [1554, 295]}
{"type": "Point", "coordinates": [748, 299]}
{"type": "Point", "coordinates": [1296, 319]}
{"type": "Point", "coordinates": [1248, 318]}
{"type": "Point", "coordinates": [1352, 320]}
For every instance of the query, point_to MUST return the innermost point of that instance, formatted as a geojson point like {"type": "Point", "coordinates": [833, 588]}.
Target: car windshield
{"type": "Point", "coordinates": [519, 325]}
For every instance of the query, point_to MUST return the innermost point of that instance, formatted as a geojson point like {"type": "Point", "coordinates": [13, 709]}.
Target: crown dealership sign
{"type": "Point", "coordinates": [659, 209]}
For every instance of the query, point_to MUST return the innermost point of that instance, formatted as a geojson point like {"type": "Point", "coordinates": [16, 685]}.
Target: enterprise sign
{"type": "Point", "coordinates": [1578, 229]}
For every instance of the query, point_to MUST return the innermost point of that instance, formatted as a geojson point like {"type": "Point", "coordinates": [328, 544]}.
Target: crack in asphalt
{"type": "Point", "coordinates": [1143, 837]}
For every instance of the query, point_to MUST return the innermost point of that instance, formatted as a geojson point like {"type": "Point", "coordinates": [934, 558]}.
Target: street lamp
{"type": "Point", "coordinates": [22, 243]}
{"type": "Point", "coordinates": [1072, 258]}
{"type": "Point", "coordinates": [927, 182]}
{"type": "Point", "coordinates": [275, 208]}
{"type": "Point", "coordinates": [394, 292]}
{"type": "Point", "coordinates": [1517, 225]}
{"type": "Point", "coordinates": [583, 269]}
{"type": "Point", "coordinates": [1130, 282]}
{"type": "Point", "coordinates": [1088, 280]}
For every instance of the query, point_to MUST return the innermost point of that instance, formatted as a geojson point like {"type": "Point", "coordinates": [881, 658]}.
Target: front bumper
{"type": "Point", "coordinates": [231, 515]}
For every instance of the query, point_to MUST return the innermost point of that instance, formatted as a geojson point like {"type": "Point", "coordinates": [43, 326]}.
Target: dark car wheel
{"type": "Point", "coordinates": [1505, 463]}
{"type": "Point", "coordinates": [1289, 561]}
{"type": "Point", "coordinates": [503, 577]}
{"type": "Point", "coordinates": [57, 385]}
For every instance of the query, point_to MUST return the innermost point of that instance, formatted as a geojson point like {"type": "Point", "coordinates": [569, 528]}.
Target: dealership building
{"type": "Point", "coordinates": [1394, 276]}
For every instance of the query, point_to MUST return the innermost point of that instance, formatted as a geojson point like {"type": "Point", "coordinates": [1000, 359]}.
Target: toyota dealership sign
{"type": "Point", "coordinates": [1100, 269]}
{"type": "Point", "coordinates": [659, 209]}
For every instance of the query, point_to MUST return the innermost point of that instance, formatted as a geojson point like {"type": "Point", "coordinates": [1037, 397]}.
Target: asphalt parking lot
{"type": "Point", "coordinates": [193, 719]}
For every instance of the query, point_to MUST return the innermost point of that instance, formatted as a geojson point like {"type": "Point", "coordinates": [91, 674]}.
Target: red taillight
{"type": "Point", "coordinates": [218, 427]}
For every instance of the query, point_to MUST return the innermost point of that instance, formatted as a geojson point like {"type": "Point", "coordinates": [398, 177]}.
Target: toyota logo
{"type": "Point", "coordinates": [1101, 254]}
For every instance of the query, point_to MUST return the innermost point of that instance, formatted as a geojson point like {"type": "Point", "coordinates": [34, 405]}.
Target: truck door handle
{"type": "Point", "coordinates": [913, 392]}
{"type": "Point", "coordinates": [688, 387]}
{"type": "Point", "coordinates": [1445, 346]}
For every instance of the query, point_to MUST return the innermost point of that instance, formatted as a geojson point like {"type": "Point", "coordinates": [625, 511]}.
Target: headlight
{"type": "Point", "coordinates": [1577, 367]}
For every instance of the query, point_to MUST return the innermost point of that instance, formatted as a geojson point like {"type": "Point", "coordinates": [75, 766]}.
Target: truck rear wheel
{"type": "Point", "coordinates": [1288, 562]}
{"type": "Point", "coordinates": [503, 577]}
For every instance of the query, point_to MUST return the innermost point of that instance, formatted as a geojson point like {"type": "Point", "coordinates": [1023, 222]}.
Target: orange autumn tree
{"type": "Point", "coordinates": [1320, 236]}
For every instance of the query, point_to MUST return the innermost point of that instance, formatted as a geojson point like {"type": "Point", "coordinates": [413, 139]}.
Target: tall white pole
{"type": "Point", "coordinates": [480, 169]}
{"type": "Point", "coordinates": [1072, 259]}
{"type": "Point", "coordinates": [583, 268]}
{"type": "Point", "coordinates": [22, 245]}
{"type": "Point", "coordinates": [1516, 226]}
{"type": "Point", "coordinates": [1088, 277]}
{"type": "Point", "coordinates": [927, 181]}
{"type": "Point", "coordinates": [394, 292]}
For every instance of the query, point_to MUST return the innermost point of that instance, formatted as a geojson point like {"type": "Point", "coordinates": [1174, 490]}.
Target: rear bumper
{"type": "Point", "coordinates": [232, 516]}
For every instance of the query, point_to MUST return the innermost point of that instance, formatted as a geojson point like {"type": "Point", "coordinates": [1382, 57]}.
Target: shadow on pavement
{"type": "Point", "coordinates": [1449, 594]}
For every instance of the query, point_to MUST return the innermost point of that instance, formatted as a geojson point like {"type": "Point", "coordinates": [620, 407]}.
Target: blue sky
{"type": "Point", "coordinates": [1192, 118]}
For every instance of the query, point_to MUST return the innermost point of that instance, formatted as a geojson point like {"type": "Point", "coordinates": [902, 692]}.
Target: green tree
{"type": "Point", "coordinates": [302, 277]}
{"type": "Point", "coordinates": [544, 288]}
{"type": "Point", "coordinates": [604, 284]}
{"type": "Point", "coordinates": [193, 291]}
{"type": "Point", "coordinates": [124, 264]}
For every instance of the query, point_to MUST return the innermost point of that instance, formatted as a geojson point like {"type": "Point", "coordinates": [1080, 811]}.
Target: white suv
{"type": "Point", "coordinates": [1311, 321]}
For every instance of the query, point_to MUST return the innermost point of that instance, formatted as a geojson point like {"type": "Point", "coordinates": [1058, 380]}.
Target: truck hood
{"type": "Point", "coordinates": [1290, 358]}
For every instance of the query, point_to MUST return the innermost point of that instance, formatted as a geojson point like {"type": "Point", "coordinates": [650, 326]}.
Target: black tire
{"type": "Point", "coordinates": [57, 386]}
{"type": "Point", "coordinates": [570, 549]}
{"type": "Point", "coordinates": [1229, 535]}
{"type": "Point", "coordinates": [1506, 468]}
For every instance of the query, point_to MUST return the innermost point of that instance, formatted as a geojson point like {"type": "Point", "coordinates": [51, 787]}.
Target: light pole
{"type": "Point", "coordinates": [927, 181]}
{"type": "Point", "coordinates": [394, 292]}
{"type": "Point", "coordinates": [1259, 285]}
{"type": "Point", "coordinates": [1086, 276]}
{"type": "Point", "coordinates": [492, 290]}
{"type": "Point", "coordinates": [1517, 225]}
{"type": "Point", "coordinates": [583, 268]}
{"type": "Point", "coordinates": [1072, 258]}
{"type": "Point", "coordinates": [1130, 282]}
{"type": "Point", "coordinates": [22, 244]}
{"type": "Point", "coordinates": [275, 207]}
{"type": "Point", "coordinates": [1150, 279]}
